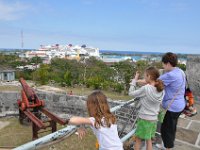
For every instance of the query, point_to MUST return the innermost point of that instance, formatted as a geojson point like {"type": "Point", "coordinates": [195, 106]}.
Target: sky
{"type": "Point", "coordinates": [134, 25]}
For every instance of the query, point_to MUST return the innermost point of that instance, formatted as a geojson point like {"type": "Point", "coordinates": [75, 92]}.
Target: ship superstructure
{"type": "Point", "coordinates": [47, 52]}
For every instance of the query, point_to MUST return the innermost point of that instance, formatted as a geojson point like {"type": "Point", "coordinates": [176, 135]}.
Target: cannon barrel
{"type": "Point", "coordinates": [28, 91]}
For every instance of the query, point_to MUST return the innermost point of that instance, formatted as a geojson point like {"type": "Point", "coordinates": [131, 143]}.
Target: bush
{"type": "Point", "coordinates": [96, 82]}
{"type": "Point", "coordinates": [118, 87]}
{"type": "Point", "coordinates": [26, 74]}
{"type": "Point", "coordinates": [105, 85]}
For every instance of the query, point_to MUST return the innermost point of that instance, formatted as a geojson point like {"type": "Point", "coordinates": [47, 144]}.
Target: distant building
{"type": "Point", "coordinates": [7, 74]}
{"type": "Point", "coordinates": [61, 51]}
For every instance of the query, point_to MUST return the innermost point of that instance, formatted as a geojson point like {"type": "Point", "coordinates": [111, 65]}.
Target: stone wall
{"type": "Point", "coordinates": [193, 74]}
{"type": "Point", "coordinates": [62, 103]}
{"type": "Point", "coordinates": [65, 105]}
{"type": "Point", "coordinates": [8, 102]}
{"type": "Point", "coordinates": [54, 102]}
{"type": "Point", "coordinates": [57, 103]}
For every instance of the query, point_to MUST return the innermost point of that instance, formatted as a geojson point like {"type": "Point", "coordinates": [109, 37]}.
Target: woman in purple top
{"type": "Point", "coordinates": [174, 82]}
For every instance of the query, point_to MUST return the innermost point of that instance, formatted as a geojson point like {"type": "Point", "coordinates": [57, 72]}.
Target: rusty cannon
{"type": "Point", "coordinates": [31, 109]}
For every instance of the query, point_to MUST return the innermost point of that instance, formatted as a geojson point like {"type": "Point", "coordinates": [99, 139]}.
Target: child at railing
{"type": "Point", "coordinates": [151, 95]}
{"type": "Point", "coordinates": [101, 121]}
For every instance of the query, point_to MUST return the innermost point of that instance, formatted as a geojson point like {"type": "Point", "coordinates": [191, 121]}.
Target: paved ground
{"type": "Point", "coordinates": [189, 130]}
{"type": "Point", "coordinates": [188, 133]}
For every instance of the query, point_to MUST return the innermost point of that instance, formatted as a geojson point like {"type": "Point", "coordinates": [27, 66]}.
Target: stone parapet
{"type": "Point", "coordinates": [193, 74]}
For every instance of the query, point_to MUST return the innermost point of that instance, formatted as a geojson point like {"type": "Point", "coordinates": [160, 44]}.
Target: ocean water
{"type": "Point", "coordinates": [116, 56]}
{"type": "Point", "coordinates": [127, 52]}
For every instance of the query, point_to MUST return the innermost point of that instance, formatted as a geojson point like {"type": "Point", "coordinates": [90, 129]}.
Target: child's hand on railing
{"type": "Point", "coordinates": [81, 132]}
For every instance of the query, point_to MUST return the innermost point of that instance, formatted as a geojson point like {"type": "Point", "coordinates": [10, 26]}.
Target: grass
{"type": "Point", "coordinates": [10, 88]}
{"type": "Point", "coordinates": [16, 134]}
{"type": "Point", "coordinates": [73, 143]}
{"type": "Point", "coordinates": [76, 91]}
{"type": "Point", "coordinates": [87, 91]}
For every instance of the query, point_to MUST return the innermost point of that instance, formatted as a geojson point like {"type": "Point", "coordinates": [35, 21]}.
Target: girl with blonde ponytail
{"type": "Point", "coordinates": [151, 95]}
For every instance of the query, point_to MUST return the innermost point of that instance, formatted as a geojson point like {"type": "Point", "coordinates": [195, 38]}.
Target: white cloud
{"type": "Point", "coordinates": [12, 10]}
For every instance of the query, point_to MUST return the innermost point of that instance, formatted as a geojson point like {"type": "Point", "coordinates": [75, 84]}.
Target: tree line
{"type": "Point", "coordinates": [89, 72]}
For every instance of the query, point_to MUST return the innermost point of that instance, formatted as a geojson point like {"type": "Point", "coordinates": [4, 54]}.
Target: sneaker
{"type": "Point", "coordinates": [193, 114]}
{"type": "Point", "coordinates": [182, 116]}
{"type": "Point", "coordinates": [160, 146]}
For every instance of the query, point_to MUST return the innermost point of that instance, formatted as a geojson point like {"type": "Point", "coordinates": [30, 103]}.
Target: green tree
{"type": "Point", "coordinates": [124, 72]}
{"type": "Point", "coordinates": [68, 78]}
{"type": "Point", "coordinates": [96, 82]}
{"type": "Point", "coordinates": [141, 65]}
{"type": "Point", "coordinates": [7, 60]}
{"type": "Point", "coordinates": [97, 73]}
{"type": "Point", "coordinates": [42, 74]}
{"type": "Point", "coordinates": [158, 65]}
{"type": "Point", "coordinates": [118, 87]}
{"type": "Point", "coordinates": [36, 60]}
{"type": "Point", "coordinates": [59, 67]}
{"type": "Point", "coordinates": [182, 66]}
{"type": "Point", "coordinates": [26, 74]}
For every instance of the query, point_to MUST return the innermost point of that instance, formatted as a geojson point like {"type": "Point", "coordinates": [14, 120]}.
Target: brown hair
{"type": "Point", "coordinates": [154, 75]}
{"type": "Point", "coordinates": [98, 108]}
{"type": "Point", "coordinates": [170, 58]}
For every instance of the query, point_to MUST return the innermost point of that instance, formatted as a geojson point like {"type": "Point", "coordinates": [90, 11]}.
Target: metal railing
{"type": "Point", "coordinates": [65, 132]}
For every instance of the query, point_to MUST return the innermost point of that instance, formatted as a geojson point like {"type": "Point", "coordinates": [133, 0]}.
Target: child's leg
{"type": "Point", "coordinates": [149, 144]}
{"type": "Point", "coordinates": [137, 143]}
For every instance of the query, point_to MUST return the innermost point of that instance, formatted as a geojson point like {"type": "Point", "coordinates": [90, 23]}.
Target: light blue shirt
{"type": "Point", "coordinates": [173, 81]}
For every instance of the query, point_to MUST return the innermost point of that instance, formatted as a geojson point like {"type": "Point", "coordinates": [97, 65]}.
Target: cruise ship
{"type": "Point", "coordinates": [47, 52]}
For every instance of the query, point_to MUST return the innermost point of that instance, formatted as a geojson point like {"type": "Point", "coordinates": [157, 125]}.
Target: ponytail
{"type": "Point", "coordinates": [154, 75]}
{"type": "Point", "coordinates": [159, 85]}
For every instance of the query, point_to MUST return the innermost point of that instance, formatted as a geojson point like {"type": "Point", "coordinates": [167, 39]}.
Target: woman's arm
{"type": "Point", "coordinates": [136, 93]}
{"type": "Point", "coordinates": [79, 121]}
{"type": "Point", "coordinates": [167, 78]}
